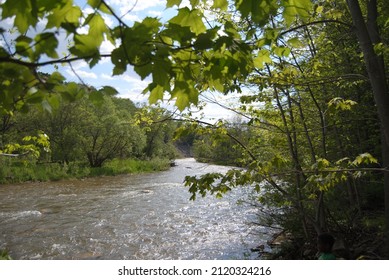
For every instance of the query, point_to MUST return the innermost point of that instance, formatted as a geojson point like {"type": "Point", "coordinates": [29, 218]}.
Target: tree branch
{"type": "Point", "coordinates": [314, 23]}
{"type": "Point", "coordinates": [66, 59]}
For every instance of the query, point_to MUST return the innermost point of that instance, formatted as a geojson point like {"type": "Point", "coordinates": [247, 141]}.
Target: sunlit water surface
{"type": "Point", "coordinates": [147, 216]}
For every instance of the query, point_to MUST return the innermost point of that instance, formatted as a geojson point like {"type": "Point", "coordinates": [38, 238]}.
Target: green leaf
{"type": "Point", "coordinates": [322, 163]}
{"type": "Point", "coordinates": [220, 4]}
{"type": "Point", "coordinates": [194, 3]}
{"type": "Point", "coordinates": [118, 58]}
{"type": "Point", "coordinates": [161, 71]}
{"type": "Point", "coordinates": [339, 103]}
{"type": "Point", "coordinates": [85, 45]}
{"type": "Point", "coordinates": [94, 3]}
{"type": "Point", "coordinates": [97, 27]}
{"type": "Point", "coordinates": [54, 101]}
{"type": "Point", "coordinates": [365, 158]}
{"type": "Point", "coordinates": [295, 42]}
{"type": "Point", "coordinates": [206, 40]}
{"type": "Point", "coordinates": [296, 8]}
{"type": "Point", "coordinates": [260, 10]}
{"type": "Point", "coordinates": [70, 91]}
{"type": "Point", "coordinates": [182, 101]}
{"type": "Point", "coordinates": [185, 94]}
{"type": "Point", "coordinates": [23, 47]}
{"type": "Point", "coordinates": [156, 93]}
{"type": "Point", "coordinates": [108, 90]}
{"type": "Point", "coordinates": [245, 6]}
{"type": "Point", "coordinates": [281, 51]}
{"type": "Point", "coordinates": [48, 5]}
{"type": "Point", "coordinates": [25, 12]}
{"type": "Point", "coordinates": [64, 14]}
{"type": "Point", "coordinates": [54, 79]}
{"type": "Point", "coordinates": [3, 52]}
{"type": "Point", "coordinates": [171, 3]}
{"type": "Point", "coordinates": [98, 4]}
{"type": "Point", "coordinates": [231, 30]}
{"type": "Point", "coordinates": [262, 58]}
{"type": "Point", "coordinates": [190, 18]}
{"type": "Point", "coordinates": [180, 92]}
{"type": "Point", "coordinates": [144, 71]}
{"type": "Point", "coordinates": [319, 9]}
{"type": "Point", "coordinates": [35, 98]}
{"type": "Point", "coordinates": [46, 106]}
{"type": "Point", "coordinates": [151, 25]}
{"type": "Point", "coordinates": [46, 43]}
{"type": "Point", "coordinates": [97, 97]}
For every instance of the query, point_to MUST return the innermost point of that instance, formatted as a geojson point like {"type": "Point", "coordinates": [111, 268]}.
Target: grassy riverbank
{"type": "Point", "coordinates": [4, 255]}
{"type": "Point", "coordinates": [17, 171]}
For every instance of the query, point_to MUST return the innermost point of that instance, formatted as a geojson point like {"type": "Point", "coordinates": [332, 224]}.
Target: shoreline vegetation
{"type": "Point", "coordinates": [18, 171]}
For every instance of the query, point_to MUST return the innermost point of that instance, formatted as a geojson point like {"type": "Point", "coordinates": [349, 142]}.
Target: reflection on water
{"type": "Point", "coordinates": [146, 216]}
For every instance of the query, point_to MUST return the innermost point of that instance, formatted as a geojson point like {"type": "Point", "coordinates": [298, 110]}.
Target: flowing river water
{"type": "Point", "coordinates": [146, 216]}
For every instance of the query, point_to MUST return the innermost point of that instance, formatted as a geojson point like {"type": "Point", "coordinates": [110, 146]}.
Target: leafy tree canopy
{"type": "Point", "coordinates": [184, 56]}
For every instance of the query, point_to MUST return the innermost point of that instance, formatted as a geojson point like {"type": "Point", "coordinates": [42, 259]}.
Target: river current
{"type": "Point", "coordinates": [145, 216]}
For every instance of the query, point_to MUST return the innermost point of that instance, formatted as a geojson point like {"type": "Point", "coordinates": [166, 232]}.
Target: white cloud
{"type": "Point", "coordinates": [134, 96]}
{"type": "Point", "coordinates": [106, 47]}
{"type": "Point", "coordinates": [155, 13]}
{"type": "Point", "coordinates": [78, 64]}
{"type": "Point", "coordinates": [70, 73]}
{"type": "Point", "coordinates": [88, 10]}
{"type": "Point", "coordinates": [41, 24]}
{"type": "Point", "coordinates": [83, 30]}
{"type": "Point", "coordinates": [131, 87]}
{"type": "Point", "coordinates": [107, 77]}
{"type": "Point", "coordinates": [132, 17]}
{"type": "Point", "coordinates": [136, 10]}
{"type": "Point", "coordinates": [8, 22]}
{"type": "Point", "coordinates": [82, 74]}
{"type": "Point", "coordinates": [136, 5]}
{"type": "Point", "coordinates": [8, 37]}
{"type": "Point", "coordinates": [108, 20]}
{"type": "Point", "coordinates": [185, 3]}
{"type": "Point", "coordinates": [136, 82]}
{"type": "Point", "coordinates": [105, 60]}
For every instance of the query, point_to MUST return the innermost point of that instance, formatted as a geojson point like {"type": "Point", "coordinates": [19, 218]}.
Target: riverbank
{"type": "Point", "coordinates": [362, 244]}
{"type": "Point", "coordinates": [21, 171]}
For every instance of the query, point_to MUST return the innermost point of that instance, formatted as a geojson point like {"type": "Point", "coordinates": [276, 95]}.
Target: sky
{"type": "Point", "coordinates": [129, 85]}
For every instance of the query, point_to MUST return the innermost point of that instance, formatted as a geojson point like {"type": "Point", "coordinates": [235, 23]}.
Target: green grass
{"type": "Point", "coordinates": [4, 255]}
{"type": "Point", "coordinates": [17, 171]}
{"type": "Point", "coordinates": [126, 166]}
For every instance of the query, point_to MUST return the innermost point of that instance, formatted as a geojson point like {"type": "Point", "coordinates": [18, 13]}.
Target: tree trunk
{"type": "Point", "coordinates": [368, 36]}
{"type": "Point", "coordinates": [385, 159]}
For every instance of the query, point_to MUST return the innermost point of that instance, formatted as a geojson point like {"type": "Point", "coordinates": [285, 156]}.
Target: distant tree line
{"type": "Point", "coordinates": [89, 127]}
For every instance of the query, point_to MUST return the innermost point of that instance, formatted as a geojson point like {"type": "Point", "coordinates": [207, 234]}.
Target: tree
{"type": "Point", "coordinates": [369, 33]}
{"type": "Point", "coordinates": [104, 135]}
{"type": "Point", "coordinates": [84, 129]}
{"type": "Point", "coordinates": [159, 128]}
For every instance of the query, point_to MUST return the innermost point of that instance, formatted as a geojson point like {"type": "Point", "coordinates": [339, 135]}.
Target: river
{"type": "Point", "coordinates": [145, 216]}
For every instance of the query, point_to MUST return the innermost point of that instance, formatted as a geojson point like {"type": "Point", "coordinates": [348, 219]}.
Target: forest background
{"type": "Point", "coordinates": [311, 78]}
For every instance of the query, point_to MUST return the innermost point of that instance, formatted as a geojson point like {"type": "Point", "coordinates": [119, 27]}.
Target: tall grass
{"type": "Point", "coordinates": [126, 166]}
{"type": "Point", "coordinates": [16, 171]}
